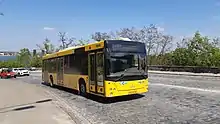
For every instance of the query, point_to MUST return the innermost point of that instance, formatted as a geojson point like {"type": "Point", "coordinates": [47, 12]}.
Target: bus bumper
{"type": "Point", "coordinates": [114, 89]}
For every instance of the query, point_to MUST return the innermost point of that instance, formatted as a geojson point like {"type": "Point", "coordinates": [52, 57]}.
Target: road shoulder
{"type": "Point", "coordinates": [25, 103]}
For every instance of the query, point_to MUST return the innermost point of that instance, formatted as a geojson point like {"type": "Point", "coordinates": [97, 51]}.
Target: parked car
{"type": "Point", "coordinates": [22, 72]}
{"type": "Point", "coordinates": [7, 73]}
{"type": "Point", "coordinates": [15, 70]}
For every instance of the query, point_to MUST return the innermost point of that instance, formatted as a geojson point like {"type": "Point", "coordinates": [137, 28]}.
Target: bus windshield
{"type": "Point", "coordinates": [126, 59]}
{"type": "Point", "coordinates": [126, 63]}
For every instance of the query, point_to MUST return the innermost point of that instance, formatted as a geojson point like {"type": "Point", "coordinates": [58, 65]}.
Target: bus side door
{"type": "Point", "coordinates": [60, 71]}
{"type": "Point", "coordinates": [96, 72]}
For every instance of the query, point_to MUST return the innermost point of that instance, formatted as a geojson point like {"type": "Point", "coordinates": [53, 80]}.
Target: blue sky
{"type": "Point", "coordinates": [27, 22]}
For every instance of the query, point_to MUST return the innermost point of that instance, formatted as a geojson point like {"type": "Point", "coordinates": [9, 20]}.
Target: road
{"type": "Point", "coordinates": [171, 99]}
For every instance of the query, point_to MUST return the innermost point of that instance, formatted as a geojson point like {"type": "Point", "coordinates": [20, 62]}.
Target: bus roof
{"type": "Point", "coordinates": [87, 47]}
{"type": "Point", "coordinates": [71, 50]}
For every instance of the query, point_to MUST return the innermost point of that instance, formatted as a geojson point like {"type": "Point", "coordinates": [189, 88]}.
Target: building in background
{"type": "Point", "coordinates": [7, 55]}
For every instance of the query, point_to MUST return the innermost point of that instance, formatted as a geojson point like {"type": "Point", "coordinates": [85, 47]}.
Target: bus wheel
{"type": "Point", "coordinates": [82, 87]}
{"type": "Point", "coordinates": [51, 81]}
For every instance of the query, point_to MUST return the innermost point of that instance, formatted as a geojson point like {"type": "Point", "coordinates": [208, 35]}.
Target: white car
{"type": "Point", "coordinates": [21, 71]}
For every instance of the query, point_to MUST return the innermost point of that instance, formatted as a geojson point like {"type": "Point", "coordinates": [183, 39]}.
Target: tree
{"type": "Point", "coordinates": [131, 33]}
{"type": "Point", "coordinates": [65, 41]}
{"type": "Point", "coordinates": [98, 36]}
{"type": "Point", "coordinates": [156, 42]}
{"type": "Point", "coordinates": [24, 57]}
{"type": "Point", "coordinates": [81, 42]}
{"type": "Point", "coordinates": [47, 46]}
{"type": "Point", "coordinates": [165, 44]}
{"type": "Point", "coordinates": [216, 42]}
{"type": "Point", "coordinates": [36, 61]}
{"type": "Point", "coordinates": [197, 51]}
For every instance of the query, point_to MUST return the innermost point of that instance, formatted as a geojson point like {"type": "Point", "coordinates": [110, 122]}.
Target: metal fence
{"type": "Point", "coordinates": [194, 69]}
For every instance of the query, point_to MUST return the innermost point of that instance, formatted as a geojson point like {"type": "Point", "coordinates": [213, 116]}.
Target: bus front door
{"type": "Point", "coordinates": [96, 69]}
{"type": "Point", "coordinates": [60, 71]}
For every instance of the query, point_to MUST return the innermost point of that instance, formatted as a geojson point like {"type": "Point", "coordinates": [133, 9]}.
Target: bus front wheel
{"type": "Point", "coordinates": [82, 87]}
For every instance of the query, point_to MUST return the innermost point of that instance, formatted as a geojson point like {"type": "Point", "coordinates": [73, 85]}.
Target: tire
{"type": "Point", "coordinates": [82, 88]}
{"type": "Point", "coordinates": [15, 76]}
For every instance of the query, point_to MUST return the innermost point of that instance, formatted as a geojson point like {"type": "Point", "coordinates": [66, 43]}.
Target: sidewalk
{"type": "Point", "coordinates": [23, 103]}
{"type": "Point", "coordinates": [184, 73]}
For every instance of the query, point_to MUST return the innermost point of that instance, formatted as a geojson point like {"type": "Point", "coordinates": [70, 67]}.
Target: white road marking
{"type": "Point", "coordinates": [186, 88]}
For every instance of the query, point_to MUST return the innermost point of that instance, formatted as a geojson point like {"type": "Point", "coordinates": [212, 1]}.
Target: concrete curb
{"type": "Point", "coordinates": [184, 73]}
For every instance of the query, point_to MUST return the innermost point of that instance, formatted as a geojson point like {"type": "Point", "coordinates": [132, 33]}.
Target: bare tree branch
{"type": "Point", "coordinates": [166, 43]}
{"type": "Point", "coordinates": [65, 41]}
{"type": "Point", "coordinates": [98, 36]}
{"type": "Point", "coordinates": [47, 46]}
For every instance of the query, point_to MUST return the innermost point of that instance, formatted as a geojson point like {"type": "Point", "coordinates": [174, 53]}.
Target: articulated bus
{"type": "Point", "coordinates": [106, 68]}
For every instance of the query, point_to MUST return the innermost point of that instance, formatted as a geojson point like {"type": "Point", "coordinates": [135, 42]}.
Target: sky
{"type": "Point", "coordinates": [28, 22]}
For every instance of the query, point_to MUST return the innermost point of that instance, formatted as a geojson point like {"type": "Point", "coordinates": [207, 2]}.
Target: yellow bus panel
{"type": "Point", "coordinates": [100, 89]}
{"type": "Point", "coordinates": [92, 88]}
{"type": "Point", "coordinates": [94, 46]}
{"type": "Point", "coordinates": [122, 88]}
{"type": "Point", "coordinates": [71, 81]}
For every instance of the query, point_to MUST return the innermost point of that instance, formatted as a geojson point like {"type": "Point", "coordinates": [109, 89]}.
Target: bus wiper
{"type": "Point", "coordinates": [122, 75]}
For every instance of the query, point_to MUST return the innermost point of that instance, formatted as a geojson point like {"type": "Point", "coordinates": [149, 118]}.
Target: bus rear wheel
{"type": "Point", "coordinates": [82, 88]}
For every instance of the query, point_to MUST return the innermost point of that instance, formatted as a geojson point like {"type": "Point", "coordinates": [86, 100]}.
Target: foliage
{"type": "Point", "coordinates": [10, 64]}
{"type": "Point", "coordinates": [23, 59]}
{"type": "Point", "coordinates": [195, 51]}
{"type": "Point", "coordinates": [47, 46]}
{"type": "Point", "coordinates": [199, 51]}
{"type": "Point", "coordinates": [36, 61]}
{"type": "Point", "coordinates": [156, 42]}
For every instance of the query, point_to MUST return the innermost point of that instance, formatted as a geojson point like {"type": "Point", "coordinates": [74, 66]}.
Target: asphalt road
{"type": "Point", "coordinates": [171, 99]}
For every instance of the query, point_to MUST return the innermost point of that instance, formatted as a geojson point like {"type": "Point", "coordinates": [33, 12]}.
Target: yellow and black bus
{"type": "Point", "coordinates": [106, 68]}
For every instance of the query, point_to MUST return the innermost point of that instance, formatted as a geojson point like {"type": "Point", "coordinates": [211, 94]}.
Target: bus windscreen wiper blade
{"type": "Point", "coordinates": [122, 75]}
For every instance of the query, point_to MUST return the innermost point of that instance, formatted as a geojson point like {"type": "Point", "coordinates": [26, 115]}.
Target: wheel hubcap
{"type": "Point", "coordinates": [82, 88]}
